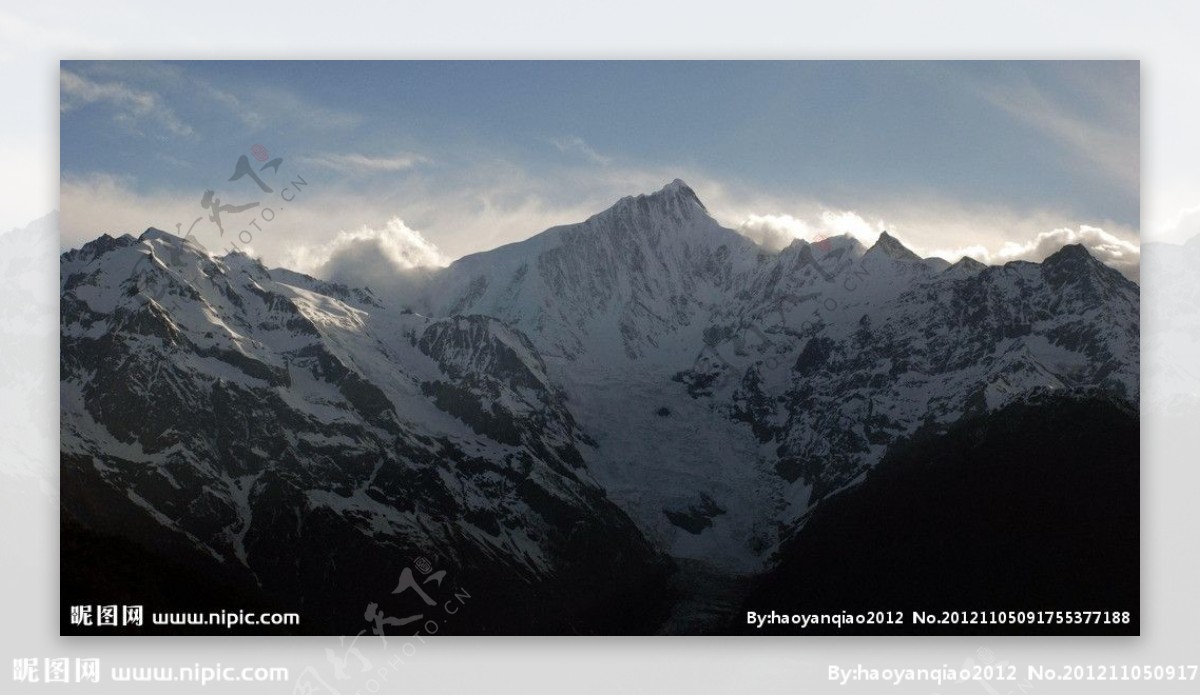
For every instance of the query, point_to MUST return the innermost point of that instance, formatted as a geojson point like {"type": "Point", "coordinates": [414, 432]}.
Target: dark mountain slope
{"type": "Point", "coordinates": [1033, 507]}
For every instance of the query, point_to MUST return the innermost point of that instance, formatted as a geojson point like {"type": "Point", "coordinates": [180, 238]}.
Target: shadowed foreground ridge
{"type": "Point", "coordinates": [1034, 507]}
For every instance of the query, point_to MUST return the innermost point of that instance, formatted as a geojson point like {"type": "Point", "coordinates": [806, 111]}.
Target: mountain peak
{"type": "Point", "coordinates": [1070, 253]}
{"type": "Point", "coordinates": [966, 266]}
{"type": "Point", "coordinates": [677, 192]}
{"type": "Point", "coordinates": [680, 191]}
{"type": "Point", "coordinates": [152, 233]}
{"type": "Point", "coordinates": [844, 242]}
{"type": "Point", "coordinates": [676, 202]}
{"type": "Point", "coordinates": [891, 247]}
{"type": "Point", "coordinates": [677, 186]}
{"type": "Point", "coordinates": [1076, 262]}
{"type": "Point", "coordinates": [172, 240]}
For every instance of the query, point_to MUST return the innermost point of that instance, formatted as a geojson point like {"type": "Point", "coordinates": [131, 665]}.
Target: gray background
{"type": "Point", "coordinates": [1159, 34]}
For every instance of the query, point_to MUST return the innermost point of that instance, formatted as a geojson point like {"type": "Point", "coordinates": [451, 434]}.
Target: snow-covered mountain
{"type": "Point", "coordinates": [292, 430]}
{"type": "Point", "coordinates": [730, 390]}
{"type": "Point", "coordinates": [646, 266]}
{"type": "Point", "coordinates": [554, 413]}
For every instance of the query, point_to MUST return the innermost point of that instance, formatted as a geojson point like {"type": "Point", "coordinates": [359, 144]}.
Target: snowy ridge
{"type": "Point", "coordinates": [644, 362]}
{"type": "Point", "coordinates": [218, 398]}
{"type": "Point", "coordinates": [783, 377]}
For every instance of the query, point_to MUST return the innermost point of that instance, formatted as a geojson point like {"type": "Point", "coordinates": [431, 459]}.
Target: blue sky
{"type": "Point", "coordinates": [978, 157]}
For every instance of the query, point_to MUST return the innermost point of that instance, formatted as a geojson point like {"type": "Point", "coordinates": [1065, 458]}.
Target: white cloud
{"type": "Point", "coordinates": [775, 232]}
{"type": "Point", "coordinates": [1123, 255]}
{"type": "Point", "coordinates": [496, 203]}
{"type": "Point", "coordinates": [1118, 253]}
{"type": "Point", "coordinates": [574, 145]}
{"type": "Point", "coordinates": [105, 204]}
{"type": "Point", "coordinates": [391, 260]}
{"type": "Point", "coordinates": [396, 243]}
{"type": "Point", "coordinates": [302, 236]}
{"type": "Point", "coordinates": [835, 222]}
{"type": "Point", "coordinates": [131, 106]}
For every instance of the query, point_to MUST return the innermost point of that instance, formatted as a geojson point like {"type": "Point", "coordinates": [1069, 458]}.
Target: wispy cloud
{"type": "Point", "coordinates": [352, 162]}
{"type": "Point", "coordinates": [230, 101]}
{"type": "Point", "coordinates": [576, 146]}
{"type": "Point", "coordinates": [281, 105]}
{"type": "Point", "coordinates": [172, 84]}
{"type": "Point", "coordinates": [1102, 138]}
{"type": "Point", "coordinates": [130, 105]}
{"type": "Point", "coordinates": [146, 88]}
